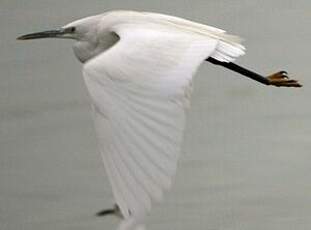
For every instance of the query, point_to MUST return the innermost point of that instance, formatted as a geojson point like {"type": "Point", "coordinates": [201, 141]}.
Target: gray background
{"type": "Point", "coordinates": [247, 151]}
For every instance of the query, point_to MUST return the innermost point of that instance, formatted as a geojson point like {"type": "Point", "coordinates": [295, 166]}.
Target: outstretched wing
{"type": "Point", "coordinates": [140, 88]}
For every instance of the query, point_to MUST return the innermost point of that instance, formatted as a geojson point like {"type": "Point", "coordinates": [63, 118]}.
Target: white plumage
{"type": "Point", "coordinates": [140, 88]}
{"type": "Point", "coordinates": [138, 68]}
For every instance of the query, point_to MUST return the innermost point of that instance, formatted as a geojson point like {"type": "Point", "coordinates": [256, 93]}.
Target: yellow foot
{"type": "Point", "coordinates": [281, 79]}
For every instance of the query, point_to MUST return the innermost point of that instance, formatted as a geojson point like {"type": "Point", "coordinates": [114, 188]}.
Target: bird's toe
{"type": "Point", "coordinates": [281, 79]}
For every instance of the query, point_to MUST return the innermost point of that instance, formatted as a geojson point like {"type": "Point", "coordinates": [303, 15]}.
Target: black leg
{"type": "Point", "coordinates": [277, 79]}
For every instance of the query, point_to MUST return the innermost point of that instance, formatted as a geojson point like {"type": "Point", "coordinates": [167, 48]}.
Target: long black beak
{"type": "Point", "coordinates": [44, 34]}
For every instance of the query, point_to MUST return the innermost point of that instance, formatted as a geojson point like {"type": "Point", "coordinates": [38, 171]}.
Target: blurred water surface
{"type": "Point", "coordinates": [246, 157]}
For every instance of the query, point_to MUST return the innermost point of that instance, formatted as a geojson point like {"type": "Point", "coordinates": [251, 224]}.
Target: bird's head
{"type": "Point", "coordinates": [78, 30]}
{"type": "Point", "coordinates": [89, 33]}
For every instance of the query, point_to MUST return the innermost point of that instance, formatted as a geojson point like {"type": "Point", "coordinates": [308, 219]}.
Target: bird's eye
{"type": "Point", "coordinates": [72, 29]}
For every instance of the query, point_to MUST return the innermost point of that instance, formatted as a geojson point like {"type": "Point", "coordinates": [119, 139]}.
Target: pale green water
{"type": "Point", "coordinates": [247, 151]}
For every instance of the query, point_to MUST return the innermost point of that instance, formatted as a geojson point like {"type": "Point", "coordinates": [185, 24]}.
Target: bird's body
{"type": "Point", "coordinates": [100, 32]}
{"type": "Point", "coordinates": [138, 68]}
{"type": "Point", "coordinates": [138, 72]}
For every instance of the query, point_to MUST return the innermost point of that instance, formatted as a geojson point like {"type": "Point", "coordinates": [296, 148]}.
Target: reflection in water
{"type": "Point", "coordinates": [246, 160]}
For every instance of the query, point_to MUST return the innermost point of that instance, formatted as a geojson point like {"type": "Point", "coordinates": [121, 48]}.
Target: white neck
{"type": "Point", "coordinates": [87, 49]}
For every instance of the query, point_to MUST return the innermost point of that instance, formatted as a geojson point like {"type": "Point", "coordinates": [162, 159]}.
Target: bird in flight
{"type": "Point", "coordinates": [138, 68]}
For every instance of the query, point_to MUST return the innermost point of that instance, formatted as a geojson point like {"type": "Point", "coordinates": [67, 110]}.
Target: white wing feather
{"type": "Point", "coordinates": [140, 89]}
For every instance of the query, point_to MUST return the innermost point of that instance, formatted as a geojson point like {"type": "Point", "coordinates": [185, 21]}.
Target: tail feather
{"type": "Point", "coordinates": [229, 48]}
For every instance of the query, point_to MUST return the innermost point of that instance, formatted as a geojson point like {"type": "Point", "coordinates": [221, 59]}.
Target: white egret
{"type": "Point", "coordinates": [138, 68]}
